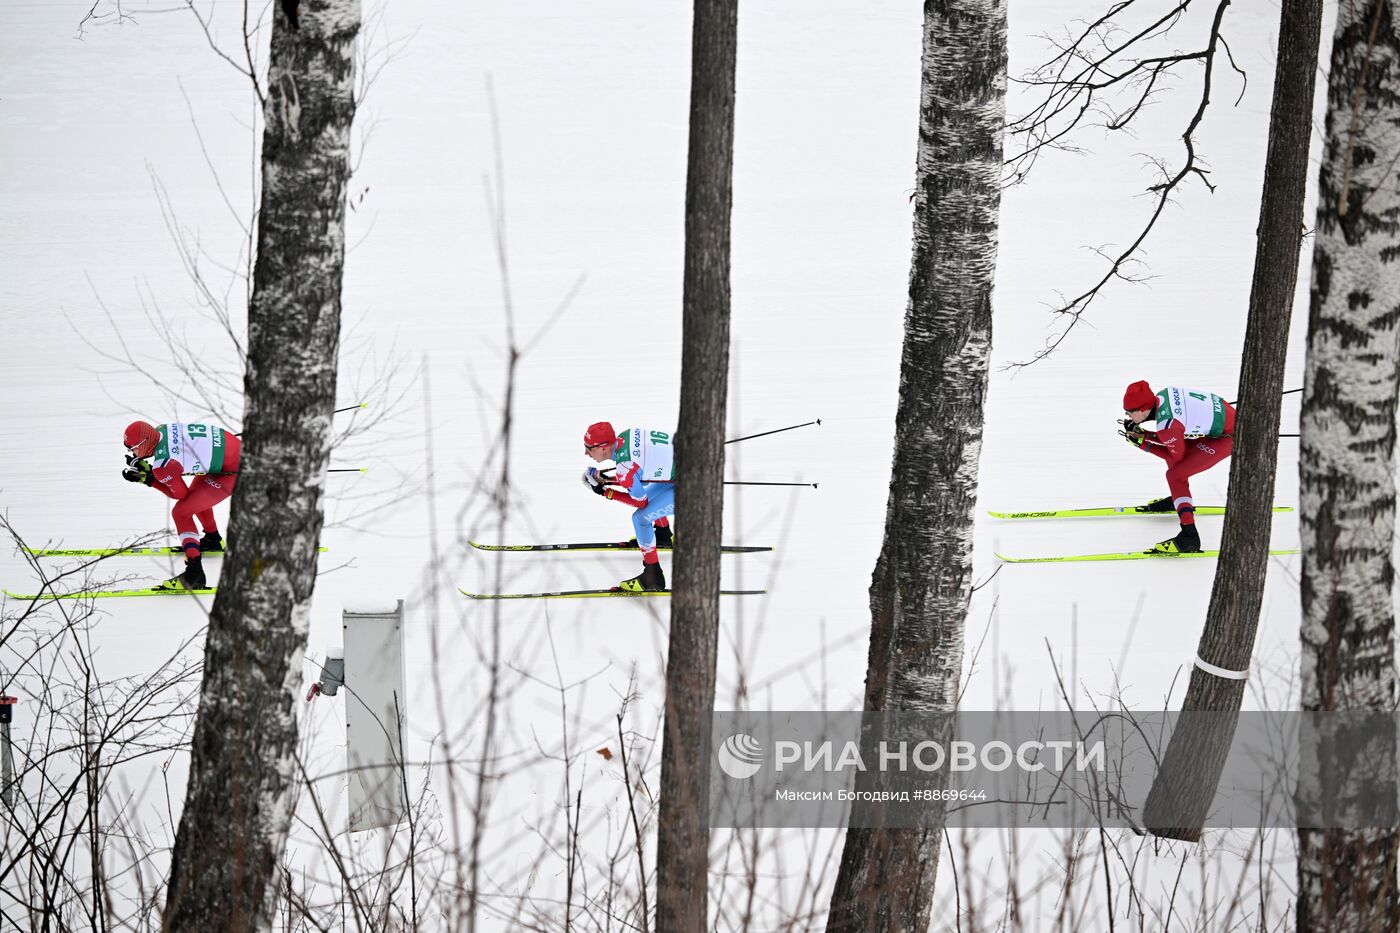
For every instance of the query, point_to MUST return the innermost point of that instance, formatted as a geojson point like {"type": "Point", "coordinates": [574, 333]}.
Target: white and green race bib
{"type": "Point", "coordinates": [1200, 413]}
{"type": "Point", "coordinates": [652, 451]}
{"type": "Point", "coordinates": [199, 448]}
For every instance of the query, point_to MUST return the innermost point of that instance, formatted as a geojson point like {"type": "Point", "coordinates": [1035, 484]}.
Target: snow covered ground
{"type": "Point", "coordinates": [103, 125]}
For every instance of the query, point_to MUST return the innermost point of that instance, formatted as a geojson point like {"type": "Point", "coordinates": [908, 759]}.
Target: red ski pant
{"type": "Point", "coordinates": [1201, 454]}
{"type": "Point", "coordinates": [205, 492]}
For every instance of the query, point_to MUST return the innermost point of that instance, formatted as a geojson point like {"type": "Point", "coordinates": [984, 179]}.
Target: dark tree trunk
{"type": "Point", "coordinates": [922, 581]}
{"type": "Point", "coordinates": [683, 836]}
{"type": "Point", "coordinates": [242, 788]}
{"type": "Point", "coordinates": [1186, 783]}
{"type": "Point", "coordinates": [1347, 879]}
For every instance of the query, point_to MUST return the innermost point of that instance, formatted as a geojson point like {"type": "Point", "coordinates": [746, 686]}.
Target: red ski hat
{"type": "Point", "coordinates": [600, 433]}
{"type": "Point", "coordinates": [1139, 395]}
{"type": "Point", "coordinates": [140, 438]}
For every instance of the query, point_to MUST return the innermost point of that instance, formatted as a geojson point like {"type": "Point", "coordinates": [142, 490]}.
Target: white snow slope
{"type": "Point", "coordinates": [98, 125]}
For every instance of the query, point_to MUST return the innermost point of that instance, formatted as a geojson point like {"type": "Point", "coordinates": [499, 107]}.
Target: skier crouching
{"type": "Point", "coordinates": [1194, 433]}
{"type": "Point", "coordinates": [175, 449]}
{"type": "Point", "coordinates": [644, 470]}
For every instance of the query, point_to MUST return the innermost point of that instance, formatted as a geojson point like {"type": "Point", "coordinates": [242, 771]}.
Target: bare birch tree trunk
{"type": "Point", "coordinates": [1347, 879]}
{"type": "Point", "coordinates": [241, 787]}
{"type": "Point", "coordinates": [922, 581]}
{"type": "Point", "coordinates": [1190, 772]}
{"type": "Point", "coordinates": [683, 835]}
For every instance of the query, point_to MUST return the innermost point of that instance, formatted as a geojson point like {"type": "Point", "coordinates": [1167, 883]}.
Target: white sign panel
{"type": "Point", "coordinates": [375, 716]}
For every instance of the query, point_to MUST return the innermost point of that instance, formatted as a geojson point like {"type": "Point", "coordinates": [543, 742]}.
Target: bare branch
{"type": "Point", "coordinates": [1081, 87]}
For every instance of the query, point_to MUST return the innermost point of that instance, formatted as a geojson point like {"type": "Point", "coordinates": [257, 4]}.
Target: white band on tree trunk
{"type": "Point", "coordinates": [1220, 671]}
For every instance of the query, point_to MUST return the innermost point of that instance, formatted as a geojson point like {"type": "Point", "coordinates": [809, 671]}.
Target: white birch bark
{"type": "Point", "coordinates": [242, 784]}
{"type": "Point", "coordinates": [1347, 879]}
{"type": "Point", "coordinates": [922, 581]}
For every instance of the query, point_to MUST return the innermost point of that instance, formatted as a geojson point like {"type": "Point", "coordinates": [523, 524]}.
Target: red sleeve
{"type": "Point", "coordinates": [1173, 441]}
{"type": "Point", "coordinates": [168, 479]}
{"type": "Point", "coordinates": [618, 495]}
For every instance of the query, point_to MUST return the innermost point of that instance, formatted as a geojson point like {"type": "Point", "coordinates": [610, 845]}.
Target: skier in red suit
{"type": "Point", "coordinates": [1194, 432]}
{"type": "Point", "coordinates": [174, 450]}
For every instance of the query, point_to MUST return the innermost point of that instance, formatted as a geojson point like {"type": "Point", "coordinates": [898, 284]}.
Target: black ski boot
{"type": "Point", "coordinates": [650, 580]}
{"type": "Point", "coordinates": [191, 579]}
{"type": "Point", "coordinates": [211, 542]}
{"type": "Point", "coordinates": [1163, 504]}
{"type": "Point", "coordinates": [1187, 541]}
{"type": "Point", "coordinates": [665, 539]}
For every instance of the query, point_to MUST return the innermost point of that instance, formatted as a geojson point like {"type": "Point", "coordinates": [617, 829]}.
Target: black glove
{"type": "Point", "coordinates": [1133, 434]}
{"type": "Point", "coordinates": [594, 481]}
{"type": "Point", "coordinates": [138, 471]}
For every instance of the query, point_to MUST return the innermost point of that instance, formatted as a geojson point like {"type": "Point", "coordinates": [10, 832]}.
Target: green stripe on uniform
{"type": "Point", "coordinates": [1217, 416]}
{"type": "Point", "coordinates": [217, 457]}
{"type": "Point", "coordinates": [1163, 415]}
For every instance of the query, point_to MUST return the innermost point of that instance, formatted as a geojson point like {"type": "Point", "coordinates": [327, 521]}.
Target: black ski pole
{"type": "Point", "coordinates": [1285, 392]}
{"type": "Point", "coordinates": [331, 470]}
{"type": "Point", "coordinates": [335, 412]}
{"type": "Point", "coordinates": [793, 427]}
{"type": "Point", "coordinates": [739, 482]}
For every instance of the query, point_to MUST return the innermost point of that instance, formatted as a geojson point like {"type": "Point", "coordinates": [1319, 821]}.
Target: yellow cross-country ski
{"type": "Point", "coordinates": [1119, 511]}
{"type": "Point", "coordinates": [107, 594]}
{"type": "Point", "coordinates": [1121, 555]}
